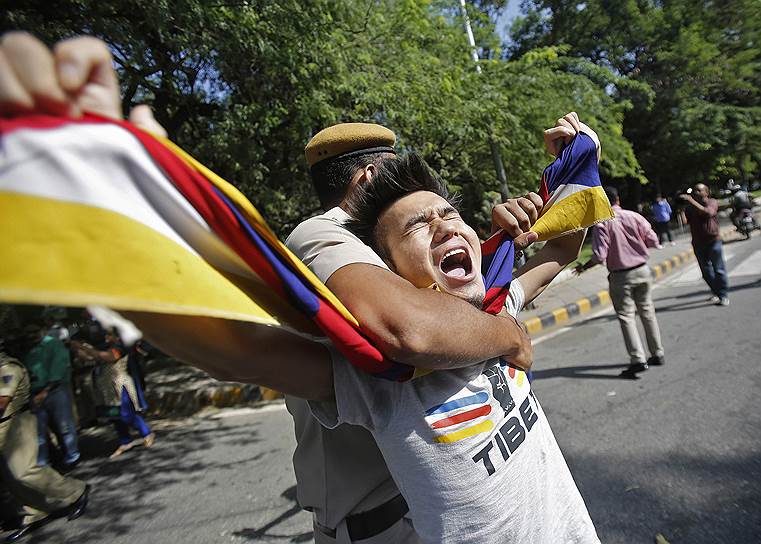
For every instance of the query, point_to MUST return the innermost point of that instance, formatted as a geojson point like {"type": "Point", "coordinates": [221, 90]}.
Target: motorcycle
{"type": "Point", "coordinates": [745, 222]}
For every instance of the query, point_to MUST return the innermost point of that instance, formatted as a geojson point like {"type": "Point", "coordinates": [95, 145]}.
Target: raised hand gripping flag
{"type": "Point", "coordinates": [97, 212]}
{"type": "Point", "coordinates": [573, 196]}
{"type": "Point", "coordinates": [573, 199]}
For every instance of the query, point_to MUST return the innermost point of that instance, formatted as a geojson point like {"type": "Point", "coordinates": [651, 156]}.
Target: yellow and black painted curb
{"type": "Point", "coordinates": [186, 403]}
{"type": "Point", "coordinates": [601, 298]}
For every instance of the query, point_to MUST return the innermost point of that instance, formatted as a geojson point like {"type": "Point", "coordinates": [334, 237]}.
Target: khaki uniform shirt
{"type": "Point", "coordinates": [339, 471]}
{"type": "Point", "coordinates": [14, 383]}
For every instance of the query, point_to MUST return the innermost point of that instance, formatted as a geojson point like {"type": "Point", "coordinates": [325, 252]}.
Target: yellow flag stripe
{"type": "Point", "coordinates": [576, 211]}
{"type": "Point", "coordinates": [97, 256]}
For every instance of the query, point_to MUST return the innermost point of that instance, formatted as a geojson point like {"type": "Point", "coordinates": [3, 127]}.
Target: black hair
{"type": "Point", "coordinates": [612, 194]}
{"type": "Point", "coordinates": [331, 178]}
{"type": "Point", "coordinates": [395, 177]}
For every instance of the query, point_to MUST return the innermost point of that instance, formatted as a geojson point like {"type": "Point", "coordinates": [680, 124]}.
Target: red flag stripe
{"type": "Point", "coordinates": [462, 416]}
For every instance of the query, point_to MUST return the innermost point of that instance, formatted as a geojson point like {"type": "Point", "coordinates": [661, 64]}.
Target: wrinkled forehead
{"type": "Point", "coordinates": [396, 218]}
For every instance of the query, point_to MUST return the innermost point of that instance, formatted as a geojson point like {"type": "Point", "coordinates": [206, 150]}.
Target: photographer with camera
{"type": "Point", "coordinates": [702, 215]}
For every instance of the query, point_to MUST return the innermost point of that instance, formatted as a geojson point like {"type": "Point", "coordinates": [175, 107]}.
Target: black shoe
{"type": "Point", "coordinates": [22, 531]}
{"type": "Point", "coordinates": [68, 467]}
{"type": "Point", "coordinates": [79, 507]}
{"type": "Point", "coordinates": [633, 369]}
{"type": "Point", "coordinates": [656, 360]}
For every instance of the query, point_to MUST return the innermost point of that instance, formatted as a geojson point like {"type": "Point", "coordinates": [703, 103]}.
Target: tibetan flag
{"type": "Point", "coordinates": [573, 196]}
{"type": "Point", "coordinates": [97, 212]}
{"type": "Point", "coordinates": [573, 199]}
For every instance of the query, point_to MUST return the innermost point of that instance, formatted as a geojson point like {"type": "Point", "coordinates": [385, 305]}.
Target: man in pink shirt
{"type": "Point", "coordinates": [623, 245]}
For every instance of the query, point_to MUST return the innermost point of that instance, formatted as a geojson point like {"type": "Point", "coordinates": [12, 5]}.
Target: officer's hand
{"type": "Point", "coordinates": [687, 198]}
{"type": "Point", "coordinates": [522, 355]}
{"type": "Point", "coordinates": [564, 131]}
{"type": "Point", "coordinates": [516, 216]}
{"type": "Point", "coordinates": [77, 76]}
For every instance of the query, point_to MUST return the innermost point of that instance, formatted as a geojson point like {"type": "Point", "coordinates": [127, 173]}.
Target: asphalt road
{"type": "Point", "coordinates": [676, 452]}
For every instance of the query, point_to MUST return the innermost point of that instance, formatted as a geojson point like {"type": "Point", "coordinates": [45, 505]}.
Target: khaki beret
{"type": "Point", "coordinates": [349, 139]}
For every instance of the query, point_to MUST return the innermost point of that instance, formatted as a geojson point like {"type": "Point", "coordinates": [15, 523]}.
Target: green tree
{"type": "Point", "coordinates": [243, 85]}
{"type": "Point", "coordinates": [700, 61]}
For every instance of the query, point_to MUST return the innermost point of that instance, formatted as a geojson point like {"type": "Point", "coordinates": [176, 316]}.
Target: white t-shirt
{"type": "Point", "coordinates": [470, 449]}
{"type": "Point", "coordinates": [339, 471]}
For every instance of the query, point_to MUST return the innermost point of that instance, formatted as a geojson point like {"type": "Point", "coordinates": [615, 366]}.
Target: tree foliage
{"type": "Point", "coordinates": [696, 70]}
{"type": "Point", "coordinates": [243, 85]}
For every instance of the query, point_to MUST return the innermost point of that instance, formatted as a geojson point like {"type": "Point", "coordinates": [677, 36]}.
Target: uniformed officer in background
{"type": "Point", "coordinates": [42, 491]}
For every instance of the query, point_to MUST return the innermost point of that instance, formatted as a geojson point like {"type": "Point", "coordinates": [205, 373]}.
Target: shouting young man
{"type": "Point", "coordinates": [470, 448]}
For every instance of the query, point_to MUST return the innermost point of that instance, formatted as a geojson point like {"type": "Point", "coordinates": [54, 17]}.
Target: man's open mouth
{"type": "Point", "coordinates": [456, 263]}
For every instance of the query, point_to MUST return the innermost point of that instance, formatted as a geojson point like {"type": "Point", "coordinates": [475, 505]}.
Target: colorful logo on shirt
{"type": "Point", "coordinates": [462, 417]}
{"type": "Point", "coordinates": [518, 375]}
{"type": "Point", "coordinates": [456, 412]}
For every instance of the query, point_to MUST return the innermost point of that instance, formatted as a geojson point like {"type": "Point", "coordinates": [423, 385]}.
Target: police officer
{"type": "Point", "coordinates": [44, 493]}
{"type": "Point", "coordinates": [341, 475]}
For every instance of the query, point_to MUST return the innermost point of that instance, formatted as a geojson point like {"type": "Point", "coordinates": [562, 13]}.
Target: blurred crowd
{"type": "Point", "coordinates": [61, 371]}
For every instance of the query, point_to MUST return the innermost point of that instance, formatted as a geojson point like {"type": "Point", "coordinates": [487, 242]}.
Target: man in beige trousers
{"type": "Point", "coordinates": [623, 245]}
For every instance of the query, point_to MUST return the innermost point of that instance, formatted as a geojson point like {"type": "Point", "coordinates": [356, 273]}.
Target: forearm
{"type": "Point", "coordinates": [547, 263]}
{"type": "Point", "coordinates": [698, 206]}
{"type": "Point", "coordinates": [565, 249]}
{"type": "Point", "coordinates": [423, 327]}
{"type": "Point", "coordinates": [459, 336]}
{"type": "Point", "coordinates": [100, 357]}
{"type": "Point", "coordinates": [243, 352]}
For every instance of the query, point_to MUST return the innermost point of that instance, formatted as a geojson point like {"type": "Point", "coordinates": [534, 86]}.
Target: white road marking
{"type": "Point", "coordinates": [751, 266]}
{"type": "Point", "coordinates": [249, 410]}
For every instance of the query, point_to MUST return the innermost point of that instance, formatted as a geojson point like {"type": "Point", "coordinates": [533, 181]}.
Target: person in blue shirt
{"type": "Point", "coordinates": [661, 218]}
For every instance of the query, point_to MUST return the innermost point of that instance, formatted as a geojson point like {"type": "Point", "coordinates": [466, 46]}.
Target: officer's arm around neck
{"type": "Point", "coordinates": [423, 327]}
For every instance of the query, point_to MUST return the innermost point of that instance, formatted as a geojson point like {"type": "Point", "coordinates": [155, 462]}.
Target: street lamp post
{"type": "Point", "coordinates": [496, 156]}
